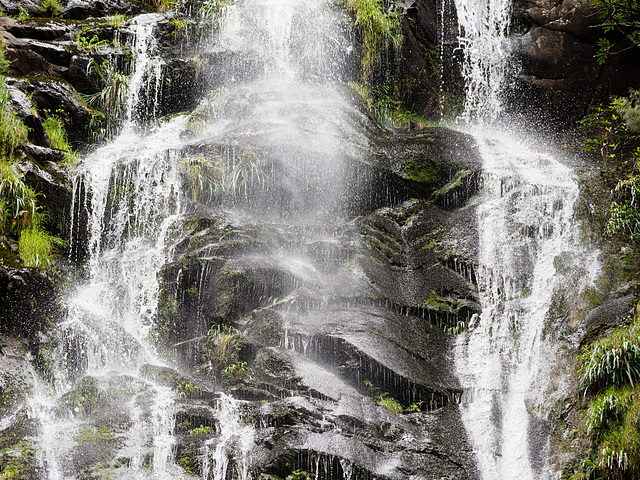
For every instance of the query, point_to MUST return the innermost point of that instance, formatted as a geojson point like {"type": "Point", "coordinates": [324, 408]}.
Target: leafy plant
{"type": "Point", "coordinates": [301, 475]}
{"type": "Point", "coordinates": [621, 18]}
{"type": "Point", "coordinates": [383, 399]}
{"type": "Point", "coordinates": [187, 390]}
{"type": "Point", "coordinates": [379, 30]}
{"type": "Point", "coordinates": [613, 360]}
{"type": "Point", "coordinates": [91, 44]}
{"type": "Point", "coordinates": [112, 99]}
{"type": "Point", "coordinates": [201, 430]}
{"type": "Point", "coordinates": [52, 8]}
{"type": "Point", "coordinates": [390, 404]}
{"type": "Point", "coordinates": [238, 370]}
{"type": "Point", "coordinates": [22, 13]}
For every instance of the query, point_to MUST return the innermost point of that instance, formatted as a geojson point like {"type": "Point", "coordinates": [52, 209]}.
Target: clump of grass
{"type": "Point", "coordinates": [18, 200]}
{"type": "Point", "coordinates": [378, 28]}
{"type": "Point", "coordinates": [54, 126]}
{"type": "Point", "coordinates": [112, 99]}
{"type": "Point", "coordinates": [223, 345]}
{"type": "Point", "coordinates": [613, 360]}
{"type": "Point", "coordinates": [211, 10]}
{"type": "Point", "coordinates": [116, 21]}
{"type": "Point", "coordinates": [36, 246]}
{"type": "Point", "coordinates": [204, 177]}
{"type": "Point", "coordinates": [12, 131]}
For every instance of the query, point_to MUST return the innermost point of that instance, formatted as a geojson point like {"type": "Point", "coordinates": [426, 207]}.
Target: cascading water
{"type": "Point", "coordinates": [134, 196]}
{"type": "Point", "coordinates": [526, 225]}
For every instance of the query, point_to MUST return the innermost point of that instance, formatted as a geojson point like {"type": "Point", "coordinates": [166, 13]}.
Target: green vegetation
{"type": "Point", "coordinates": [379, 29]}
{"type": "Point", "coordinates": [36, 247]}
{"type": "Point", "coordinates": [52, 8]}
{"type": "Point", "coordinates": [620, 20]}
{"type": "Point", "coordinates": [12, 131]}
{"type": "Point", "coordinates": [187, 390]}
{"type": "Point", "coordinates": [90, 44]}
{"type": "Point", "coordinates": [209, 178]}
{"type": "Point", "coordinates": [92, 433]}
{"type": "Point", "coordinates": [238, 370]}
{"type": "Point", "coordinates": [210, 11]}
{"type": "Point", "coordinates": [222, 352]}
{"type": "Point", "coordinates": [384, 400]}
{"type": "Point", "coordinates": [387, 109]}
{"type": "Point", "coordinates": [612, 136]}
{"type": "Point", "coordinates": [19, 214]}
{"type": "Point", "coordinates": [201, 430]}
{"type": "Point", "coordinates": [612, 360]}
{"type": "Point", "coordinates": [301, 475]}
{"type": "Point", "coordinates": [610, 369]}
{"type": "Point", "coordinates": [117, 20]}
{"type": "Point", "coordinates": [111, 100]}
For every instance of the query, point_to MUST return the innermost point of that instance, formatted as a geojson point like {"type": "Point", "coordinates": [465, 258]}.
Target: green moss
{"type": "Point", "coordinates": [86, 399]}
{"type": "Point", "coordinates": [421, 172]}
{"type": "Point", "coordinates": [452, 185]}
{"type": "Point", "coordinates": [91, 434]}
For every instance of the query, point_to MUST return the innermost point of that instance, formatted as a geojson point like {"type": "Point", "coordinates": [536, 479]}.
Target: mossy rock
{"type": "Point", "coordinates": [85, 400]}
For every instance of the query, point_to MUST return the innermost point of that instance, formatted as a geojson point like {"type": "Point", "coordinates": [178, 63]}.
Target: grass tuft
{"type": "Point", "coordinates": [36, 246]}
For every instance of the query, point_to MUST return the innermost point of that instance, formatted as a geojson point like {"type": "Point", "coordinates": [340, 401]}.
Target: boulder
{"type": "Point", "coordinates": [561, 76]}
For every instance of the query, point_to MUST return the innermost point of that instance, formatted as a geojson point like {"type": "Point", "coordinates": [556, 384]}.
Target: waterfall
{"type": "Point", "coordinates": [526, 226]}
{"type": "Point", "coordinates": [486, 47]}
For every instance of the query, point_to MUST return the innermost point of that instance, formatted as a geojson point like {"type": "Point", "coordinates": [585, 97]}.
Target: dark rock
{"type": "Point", "coordinates": [80, 9]}
{"type": "Point", "coordinates": [561, 76]}
{"type": "Point", "coordinates": [30, 300]}
{"type": "Point", "coordinates": [58, 96]}
{"type": "Point", "coordinates": [608, 316]}
{"type": "Point", "coordinates": [22, 106]}
{"type": "Point", "coordinates": [47, 177]}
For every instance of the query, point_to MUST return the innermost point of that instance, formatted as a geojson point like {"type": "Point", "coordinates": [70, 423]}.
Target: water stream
{"type": "Point", "coordinates": [526, 231]}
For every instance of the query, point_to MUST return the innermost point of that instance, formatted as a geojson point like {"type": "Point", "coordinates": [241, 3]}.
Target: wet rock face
{"type": "Point", "coordinates": [561, 76]}
{"type": "Point", "coordinates": [316, 326]}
